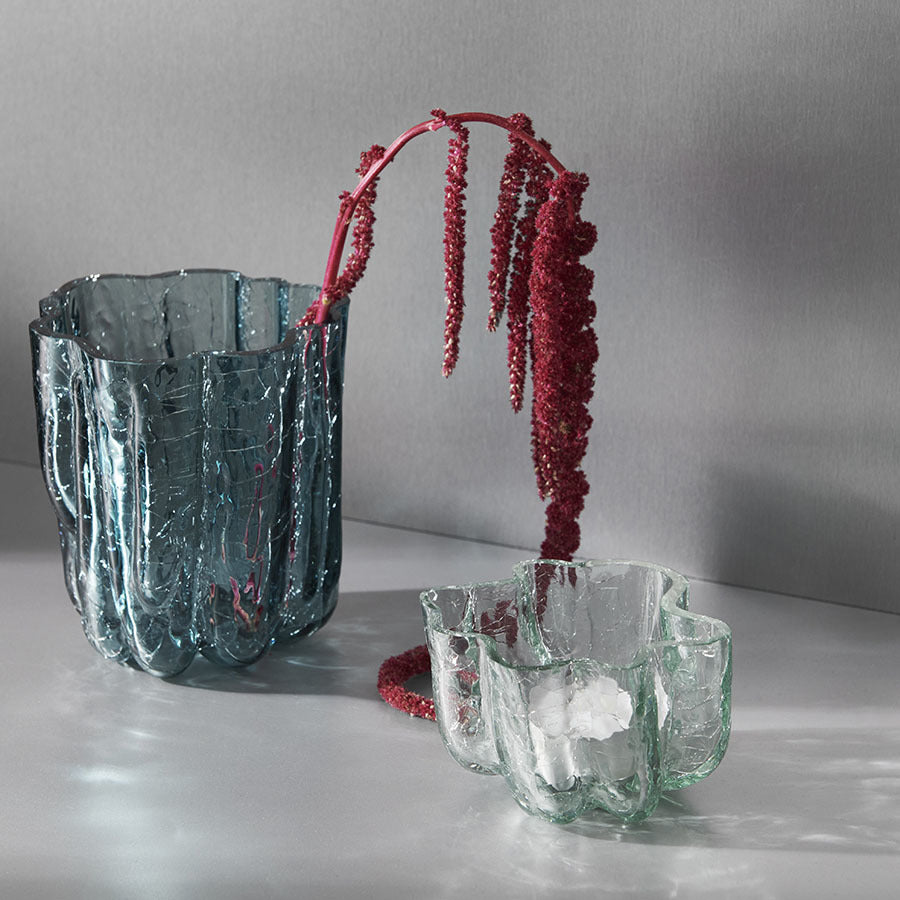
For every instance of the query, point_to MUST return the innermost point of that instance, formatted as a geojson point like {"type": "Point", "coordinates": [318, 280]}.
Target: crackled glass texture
{"type": "Point", "coordinates": [190, 439]}
{"type": "Point", "coordinates": [586, 685]}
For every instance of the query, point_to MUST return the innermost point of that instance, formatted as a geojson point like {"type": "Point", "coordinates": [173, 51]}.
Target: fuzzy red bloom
{"type": "Point", "coordinates": [564, 350]}
{"type": "Point", "coordinates": [545, 291]}
{"type": "Point", "coordinates": [518, 310]}
{"type": "Point", "coordinates": [454, 234]}
{"type": "Point", "coordinates": [515, 169]}
{"type": "Point", "coordinates": [363, 241]}
{"type": "Point", "coordinates": [393, 675]}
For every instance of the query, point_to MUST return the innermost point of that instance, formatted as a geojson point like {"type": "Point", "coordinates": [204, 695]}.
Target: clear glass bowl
{"type": "Point", "coordinates": [190, 441]}
{"type": "Point", "coordinates": [586, 685]}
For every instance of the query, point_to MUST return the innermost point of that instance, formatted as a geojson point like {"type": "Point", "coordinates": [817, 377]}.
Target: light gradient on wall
{"type": "Point", "coordinates": [743, 161]}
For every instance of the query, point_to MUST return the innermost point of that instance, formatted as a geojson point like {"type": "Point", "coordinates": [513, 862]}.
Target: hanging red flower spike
{"type": "Point", "coordinates": [546, 278]}
{"type": "Point", "coordinates": [503, 231]}
{"type": "Point", "coordinates": [454, 234]}
{"type": "Point", "coordinates": [564, 350]}
{"type": "Point", "coordinates": [518, 314]}
{"type": "Point", "coordinates": [363, 240]}
{"type": "Point", "coordinates": [393, 675]}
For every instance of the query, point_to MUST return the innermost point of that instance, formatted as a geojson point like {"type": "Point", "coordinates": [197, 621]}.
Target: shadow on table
{"type": "Point", "coordinates": [826, 788]}
{"type": "Point", "coordinates": [27, 522]}
{"type": "Point", "coordinates": [342, 658]}
{"type": "Point", "coordinates": [819, 790]}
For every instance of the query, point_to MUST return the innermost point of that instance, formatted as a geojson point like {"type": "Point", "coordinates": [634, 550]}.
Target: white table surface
{"type": "Point", "coordinates": [292, 779]}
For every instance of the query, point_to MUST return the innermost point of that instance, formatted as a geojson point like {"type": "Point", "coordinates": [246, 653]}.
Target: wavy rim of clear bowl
{"type": "Point", "coordinates": [678, 587]}
{"type": "Point", "coordinates": [39, 326]}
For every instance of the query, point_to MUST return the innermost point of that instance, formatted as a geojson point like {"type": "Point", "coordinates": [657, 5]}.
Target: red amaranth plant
{"type": "Point", "coordinates": [518, 309]}
{"type": "Point", "coordinates": [454, 234]}
{"type": "Point", "coordinates": [503, 231]}
{"type": "Point", "coordinates": [563, 353]}
{"type": "Point", "coordinates": [536, 277]}
{"type": "Point", "coordinates": [547, 296]}
{"type": "Point", "coordinates": [359, 209]}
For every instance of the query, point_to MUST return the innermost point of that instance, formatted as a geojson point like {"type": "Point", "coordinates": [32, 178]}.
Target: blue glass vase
{"type": "Point", "coordinates": [190, 440]}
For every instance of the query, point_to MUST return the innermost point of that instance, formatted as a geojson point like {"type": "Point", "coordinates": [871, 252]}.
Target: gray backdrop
{"type": "Point", "coordinates": [743, 160]}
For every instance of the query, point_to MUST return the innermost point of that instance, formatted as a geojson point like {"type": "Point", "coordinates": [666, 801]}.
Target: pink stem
{"type": "Point", "coordinates": [345, 216]}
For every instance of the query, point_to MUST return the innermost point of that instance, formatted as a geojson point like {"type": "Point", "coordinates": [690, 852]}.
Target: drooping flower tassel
{"type": "Point", "coordinates": [518, 309]}
{"type": "Point", "coordinates": [548, 307]}
{"type": "Point", "coordinates": [503, 231]}
{"type": "Point", "coordinates": [454, 234]}
{"type": "Point", "coordinates": [564, 350]}
{"type": "Point", "coordinates": [546, 292]}
{"type": "Point", "coordinates": [363, 238]}
{"type": "Point", "coordinates": [393, 675]}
